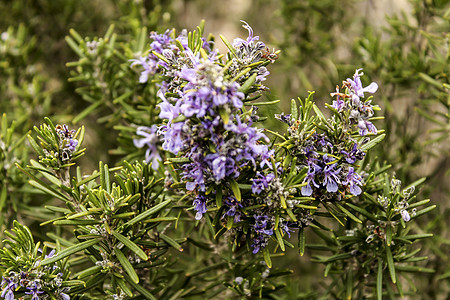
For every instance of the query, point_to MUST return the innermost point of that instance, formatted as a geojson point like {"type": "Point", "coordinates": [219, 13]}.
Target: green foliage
{"type": "Point", "coordinates": [23, 268]}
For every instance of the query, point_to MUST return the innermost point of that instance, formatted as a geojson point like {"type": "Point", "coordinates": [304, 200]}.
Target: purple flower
{"type": "Point", "coordinates": [366, 127]}
{"type": "Point", "coordinates": [200, 206]}
{"type": "Point", "coordinates": [354, 154]}
{"type": "Point", "coordinates": [285, 227]}
{"type": "Point", "coordinates": [149, 140]}
{"type": "Point", "coordinates": [9, 286]}
{"type": "Point", "coordinates": [173, 137]}
{"type": "Point", "coordinates": [233, 206]}
{"type": "Point", "coordinates": [263, 234]}
{"type": "Point", "coordinates": [262, 74]}
{"type": "Point", "coordinates": [161, 41]}
{"type": "Point", "coordinates": [357, 85]}
{"type": "Point", "coordinates": [339, 104]}
{"type": "Point", "coordinates": [353, 181]}
{"type": "Point", "coordinates": [51, 254]}
{"type": "Point", "coordinates": [34, 291]}
{"type": "Point", "coordinates": [261, 182]}
{"type": "Point", "coordinates": [238, 41]}
{"type": "Point", "coordinates": [261, 223]}
{"type": "Point", "coordinates": [72, 145]}
{"type": "Point", "coordinates": [259, 242]}
{"type": "Point", "coordinates": [218, 167]}
{"type": "Point", "coordinates": [149, 68]}
{"type": "Point", "coordinates": [194, 171]}
{"type": "Point", "coordinates": [265, 158]}
{"type": "Point", "coordinates": [405, 215]}
{"type": "Point", "coordinates": [168, 111]}
{"type": "Point", "coordinates": [312, 169]}
{"type": "Point", "coordinates": [331, 178]}
{"type": "Point", "coordinates": [284, 118]}
{"type": "Point", "coordinates": [63, 296]}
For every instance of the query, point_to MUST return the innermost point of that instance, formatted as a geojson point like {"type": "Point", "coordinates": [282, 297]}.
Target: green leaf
{"type": "Point", "coordinates": [267, 259]}
{"type": "Point", "coordinates": [130, 245]}
{"type": "Point", "coordinates": [219, 196]}
{"type": "Point", "coordinates": [380, 280]}
{"type": "Point", "coordinates": [87, 111]}
{"type": "Point", "coordinates": [280, 239]}
{"type": "Point", "coordinates": [72, 283]}
{"type": "Point", "coordinates": [35, 146]}
{"type": "Point", "coordinates": [124, 287]}
{"type": "Point", "coordinates": [319, 113]}
{"type": "Point", "coordinates": [77, 222]}
{"type": "Point", "coordinates": [72, 44]}
{"type": "Point", "coordinates": [180, 160]}
{"type": "Point", "coordinates": [224, 115]}
{"type": "Point", "coordinates": [148, 213]}
{"type": "Point", "coordinates": [417, 236]}
{"type": "Point", "coordinates": [424, 211]}
{"type": "Point", "coordinates": [126, 265]}
{"type": "Point", "coordinates": [159, 219]}
{"type": "Point", "coordinates": [248, 83]}
{"type": "Point", "coordinates": [161, 57]}
{"type": "Point", "coordinates": [235, 188]}
{"type": "Point", "coordinates": [414, 269]}
{"type": "Point", "coordinates": [372, 143]}
{"type": "Point", "coordinates": [89, 272]}
{"type": "Point", "coordinates": [301, 241]}
{"type": "Point", "coordinates": [294, 110]}
{"type": "Point", "coordinates": [205, 269]}
{"type": "Point", "coordinates": [349, 214]}
{"type": "Point", "coordinates": [48, 190]}
{"type": "Point", "coordinates": [229, 46]}
{"type": "Point", "coordinates": [388, 235]}
{"type": "Point", "coordinates": [390, 262]}
{"type": "Point", "coordinates": [69, 251]}
{"type": "Point", "coordinates": [349, 284]}
{"type": "Point", "coordinates": [144, 292]}
{"type": "Point", "coordinates": [262, 103]}
{"type": "Point", "coordinates": [363, 212]}
{"type": "Point", "coordinates": [3, 197]}
{"type": "Point", "coordinates": [170, 241]}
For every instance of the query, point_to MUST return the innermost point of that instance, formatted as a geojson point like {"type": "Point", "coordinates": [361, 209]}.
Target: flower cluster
{"type": "Point", "coordinates": [202, 104]}
{"type": "Point", "coordinates": [225, 161]}
{"type": "Point", "coordinates": [352, 107]}
{"type": "Point", "coordinates": [35, 283]}
{"type": "Point", "coordinates": [325, 170]}
{"type": "Point", "coordinates": [67, 142]}
{"type": "Point", "coordinates": [331, 157]}
{"type": "Point", "coordinates": [207, 123]}
{"type": "Point", "coordinates": [67, 145]}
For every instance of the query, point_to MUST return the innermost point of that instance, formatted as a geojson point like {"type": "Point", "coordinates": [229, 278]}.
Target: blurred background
{"type": "Point", "coordinates": [402, 45]}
